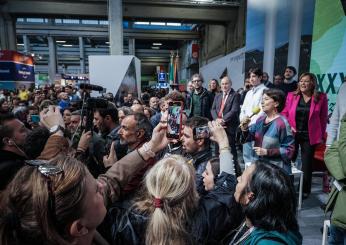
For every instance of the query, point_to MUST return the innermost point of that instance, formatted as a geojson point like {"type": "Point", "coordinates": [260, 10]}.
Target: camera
{"type": "Point", "coordinates": [201, 132]}
{"type": "Point", "coordinates": [89, 104]}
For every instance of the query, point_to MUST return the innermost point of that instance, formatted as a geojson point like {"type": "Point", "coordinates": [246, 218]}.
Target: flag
{"type": "Point", "coordinates": [176, 63]}
{"type": "Point", "coordinates": [171, 69]}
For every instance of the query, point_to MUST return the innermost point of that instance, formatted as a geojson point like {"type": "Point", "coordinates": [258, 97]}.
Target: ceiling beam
{"type": "Point", "coordinates": [132, 10]}
{"type": "Point", "coordinates": [102, 31]}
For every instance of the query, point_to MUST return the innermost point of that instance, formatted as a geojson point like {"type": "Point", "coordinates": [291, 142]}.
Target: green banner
{"type": "Point", "coordinates": [328, 54]}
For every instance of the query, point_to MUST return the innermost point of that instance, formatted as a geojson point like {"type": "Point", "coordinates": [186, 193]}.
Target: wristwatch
{"type": "Point", "coordinates": [55, 129]}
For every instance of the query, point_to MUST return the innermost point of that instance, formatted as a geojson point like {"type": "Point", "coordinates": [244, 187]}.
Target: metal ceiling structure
{"type": "Point", "coordinates": [198, 12]}
{"type": "Point", "coordinates": [102, 31]}
{"type": "Point", "coordinates": [181, 11]}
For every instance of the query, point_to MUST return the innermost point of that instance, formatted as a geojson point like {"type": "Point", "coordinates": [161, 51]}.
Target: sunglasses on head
{"type": "Point", "coordinates": [47, 170]}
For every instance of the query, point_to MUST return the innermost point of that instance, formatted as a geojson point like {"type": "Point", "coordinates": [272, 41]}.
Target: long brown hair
{"type": "Point", "coordinates": [25, 215]}
{"type": "Point", "coordinates": [315, 93]}
{"type": "Point", "coordinates": [217, 86]}
{"type": "Point", "coordinates": [172, 181]}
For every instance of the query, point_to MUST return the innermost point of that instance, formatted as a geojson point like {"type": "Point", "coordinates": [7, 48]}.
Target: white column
{"type": "Point", "coordinates": [269, 40]}
{"type": "Point", "coordinates": [52, 63]}
{"type": "Point", "coordinates": [115, 21]}
{"type": "Point", "coordinates": [81, 55]}
{"type": "Point", "coordinates": [26, 42]}
{"type": "Point", "coordinates": [132, 46]}
{"type": "Point", "coordinates": [296, 21]}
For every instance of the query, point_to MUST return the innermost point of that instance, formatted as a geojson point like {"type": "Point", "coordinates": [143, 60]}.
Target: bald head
{"type": "Point", "coordinates": [226, 84]}
{"type": "Point", "coordinates": [137, 108]}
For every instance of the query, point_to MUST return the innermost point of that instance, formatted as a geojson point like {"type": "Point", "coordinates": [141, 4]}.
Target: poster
{"type": "Point", "coordinates": [328, 55]}
{"type": "Point", "coordinates": [16, 70]}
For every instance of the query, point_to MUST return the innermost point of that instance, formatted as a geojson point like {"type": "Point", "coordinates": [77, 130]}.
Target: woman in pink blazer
{"type": "Point", "coordinates": [307, 112]}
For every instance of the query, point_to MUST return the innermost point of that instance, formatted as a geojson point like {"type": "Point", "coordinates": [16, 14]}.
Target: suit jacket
{"type": "Point", "coordinates": [318, 116]}
{"type": "Point", "coordinates": [230, 112]}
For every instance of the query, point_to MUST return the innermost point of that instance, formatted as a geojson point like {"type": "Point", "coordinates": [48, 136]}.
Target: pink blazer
{"type": "Point", "coordinates": [318, 116]}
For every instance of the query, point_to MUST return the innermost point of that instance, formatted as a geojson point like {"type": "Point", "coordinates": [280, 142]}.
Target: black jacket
{"type": "Point", "coordinates": [199, 160]}
{"type": "Point", "coordinates": [206, 103]}
{"type": "Point", "coordinates": [10, 163]}
{"type": "Point", "coordinates": [217, 214]}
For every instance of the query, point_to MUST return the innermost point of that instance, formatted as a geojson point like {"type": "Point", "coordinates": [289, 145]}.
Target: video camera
{"type": "Point", "coordinates": [90, 104]}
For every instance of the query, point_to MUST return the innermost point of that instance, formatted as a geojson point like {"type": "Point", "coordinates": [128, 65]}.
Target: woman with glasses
{"type": "Point", "coordinates": [307, 112]}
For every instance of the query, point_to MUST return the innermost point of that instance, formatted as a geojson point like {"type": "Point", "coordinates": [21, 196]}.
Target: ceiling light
{"type": "Point", "coordinates": [67, 45]}
{"type": "Point", "coordinates": [158, 23]}
{"type": "Point", "coordinates": [107, 42]}
{"type": "Point", "coordinates": [157, 44]}
{"type": "Point", "coordinates": [155, 47]}
{"type": "Point", "coordinates": [20, 44]}
{"type": "Point", "coordinates": [141, 23]}
{"type": "Point", "coordinates": [173, 24]}
{"type": "Point", "coordinates": [60, 41]}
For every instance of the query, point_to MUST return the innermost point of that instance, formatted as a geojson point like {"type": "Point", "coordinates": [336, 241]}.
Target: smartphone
{"type": "Point", "coordinates": [175, 110]}
{"type": "Point", "coordinates": [35, 118]}
{"type": "Point", "coordinates": [201, 132]}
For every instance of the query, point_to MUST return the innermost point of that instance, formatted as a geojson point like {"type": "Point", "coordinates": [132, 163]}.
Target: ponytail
{"type": "Point", "coordinates": [169, 199]}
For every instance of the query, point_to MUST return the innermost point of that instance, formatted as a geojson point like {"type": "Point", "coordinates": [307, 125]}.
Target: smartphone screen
{"type": "Point", "coordinates": [201, 132]}
{"type": "Point", "coordinates": [175, 110]}
{"type": "Point", "coordinates": [35, 118]}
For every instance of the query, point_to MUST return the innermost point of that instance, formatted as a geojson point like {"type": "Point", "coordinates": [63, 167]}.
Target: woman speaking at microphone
{"type": "Point", "coordinates": [274, 142]}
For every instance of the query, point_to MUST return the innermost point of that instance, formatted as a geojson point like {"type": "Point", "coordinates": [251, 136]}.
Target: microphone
{"type": "Point", "coordinates": [91, 87]}
{"type": "Point", "coordinates": [255, 111]}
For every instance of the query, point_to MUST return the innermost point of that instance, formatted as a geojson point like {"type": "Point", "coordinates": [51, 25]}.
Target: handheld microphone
{"type": "Point", "coordinates": [91, 87]}
{"type": "Point", "coordinates": [255, 111]}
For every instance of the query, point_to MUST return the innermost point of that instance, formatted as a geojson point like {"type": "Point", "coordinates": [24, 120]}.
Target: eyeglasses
{"type": "Point", "coordinates": [48, 170]}
{"type": "Point", "coordinates": [196, 81]}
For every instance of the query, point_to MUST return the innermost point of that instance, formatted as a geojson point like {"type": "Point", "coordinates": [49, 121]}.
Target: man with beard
{"type": "Point", "coordinates": [198, 149]}
{"type": "Point", "coordinates": [107, 123]}
{"type": "Point", "coordinates": [75, 128]}
{"type": "Point", "coordinates": [201, 99]}
{"type": "Point", "coordinates": [289, 84]}
{"type": "Point", "coordinates": [12, 138]}
{"type": "Point", "coordinates": [135, 130]}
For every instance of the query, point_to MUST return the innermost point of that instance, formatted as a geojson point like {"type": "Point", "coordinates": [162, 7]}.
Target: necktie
{"type": "Point", "coordinates": [223, 102]}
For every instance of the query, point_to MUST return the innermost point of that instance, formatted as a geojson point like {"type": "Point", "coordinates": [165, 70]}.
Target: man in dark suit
{"type": "Point", "coordinates": [225, 110]}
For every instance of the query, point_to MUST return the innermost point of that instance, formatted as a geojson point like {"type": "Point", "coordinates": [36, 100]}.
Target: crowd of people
{"type": "Point", "coordinates": [82, 170]}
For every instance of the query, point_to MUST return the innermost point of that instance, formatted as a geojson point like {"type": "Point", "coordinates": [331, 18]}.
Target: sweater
{"type": "Point", "coordinates": [277, 138]}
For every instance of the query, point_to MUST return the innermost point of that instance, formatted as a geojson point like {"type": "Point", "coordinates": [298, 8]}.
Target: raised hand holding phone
{"type": "Point", "coordinates": [174, 120]}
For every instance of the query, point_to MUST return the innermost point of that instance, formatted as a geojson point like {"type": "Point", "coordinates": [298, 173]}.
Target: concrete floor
{"type": "Point", "coordinates": [311, 216]}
